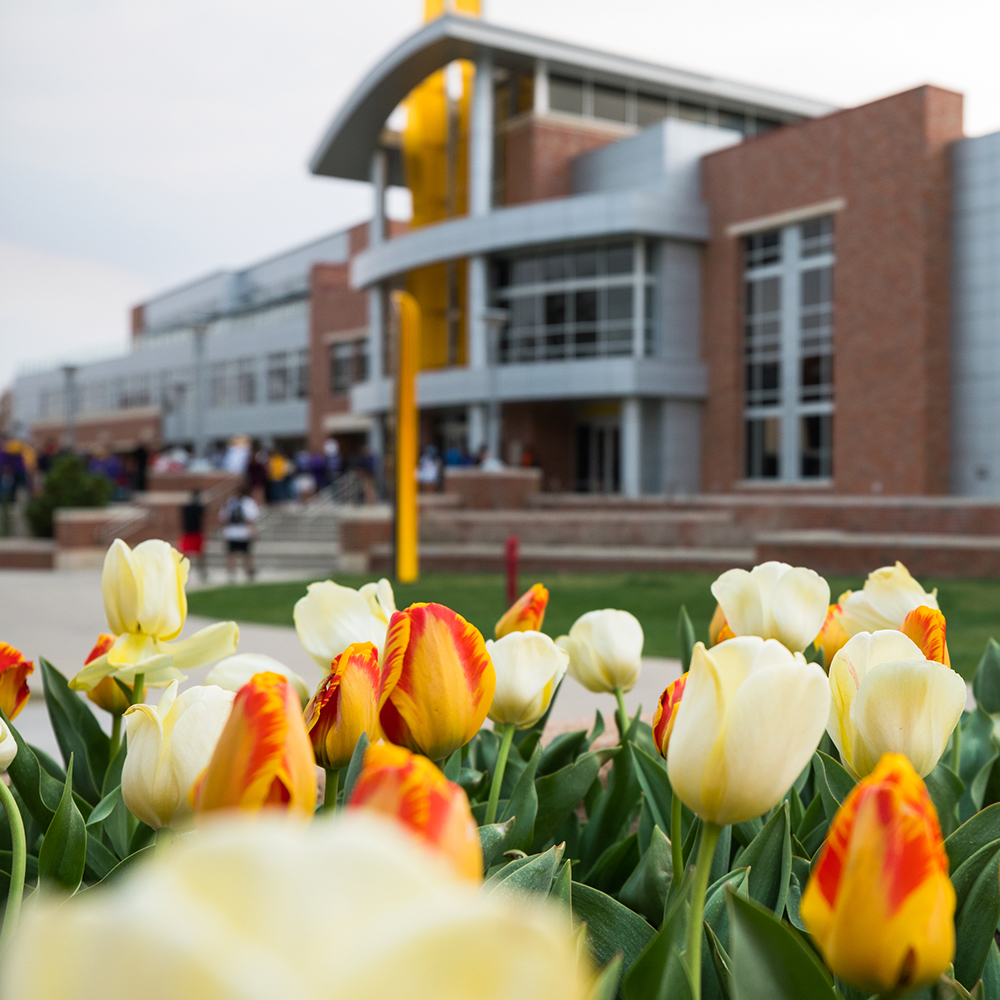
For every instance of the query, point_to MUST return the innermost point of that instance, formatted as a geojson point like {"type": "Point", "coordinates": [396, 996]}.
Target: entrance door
{"type": "Point", "coordinates": [598, 455]}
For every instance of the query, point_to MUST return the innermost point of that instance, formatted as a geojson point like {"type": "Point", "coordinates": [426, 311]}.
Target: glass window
{"type": "Point", "coordinates": [555, 309]}
{"type": "Point", "coordinates": [566, 94]}
{"type": "Point", "coordinates": [816, 446]}
{"type": "Point", "coordinates": [586, 306]}
{"type": "Point", "coordinates": [817, 237]}
{"type": "Point", "coordinates": [277, 377]}
{"type": "Point", "coordinates": [556, 267]}
{"type": "Point", "coordinates": [525, 271]}
{"type": "Point", "coordinates": [763, 448]}
{"type": "Point", "coordinates": [620, 303]}
{"type": "Point", "coordinates": [341, 367]}
{"type": "Point", "coordinates": [763, 248]}
{"type": "Point", "coordinates": [620, 258]}
{"type": "Point", "coordinates": [246, 382]}
{"type": "Point", "coordinates": [586, 264]}
{"type": "Point", "coordinates": [649, 109]}
{"type": "Point", "coordinates": [766, 124]}
{"type": "Point", "coordinates": [301, 374]}
{"type": "Point", "coordinates": [609, 103]}
{"type": "Point", "coordinates": [729, 119]}
{"type": "Point", "coordinates": [692, 112]}
{"type": "Point", "coordinates": [218, 390]}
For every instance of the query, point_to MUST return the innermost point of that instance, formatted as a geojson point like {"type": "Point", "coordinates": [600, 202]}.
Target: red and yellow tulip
{"type": "Point", "coordinates": [345, 705]}
{"type": "Point", "coordinates": [439, 678]}
{"type": "Point", "coordinates": [411, 789]}
{"type": "Point", "coordinates": [832, 637]}
{"type": "Point", "coordinates": [926, 627]}
{"type": "Point", "coordinates": [718, 627]}
{"type": "Point", "coordinates": [14, 671]}
{"type": "Point", "coordinates": [263, 757]}
{"type": "Point", "coordinates": [879, 903]}
{"type": "Point", "coordinates": [106, 692]}
{"type": "Point", "coordinates": [526, 614]}
{"type": "Point", "coordinates": [666, 712]}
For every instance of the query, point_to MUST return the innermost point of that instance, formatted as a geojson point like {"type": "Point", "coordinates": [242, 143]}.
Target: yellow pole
{"type": "Point", "coordinates": [407, 565]}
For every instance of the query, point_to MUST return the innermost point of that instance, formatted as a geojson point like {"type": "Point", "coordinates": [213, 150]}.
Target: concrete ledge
{"type": "Point", "coordinates": [27, 553]}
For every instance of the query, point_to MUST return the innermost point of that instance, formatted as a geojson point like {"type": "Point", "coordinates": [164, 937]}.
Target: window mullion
{"type": "Point", "coordinates": [790, 354]}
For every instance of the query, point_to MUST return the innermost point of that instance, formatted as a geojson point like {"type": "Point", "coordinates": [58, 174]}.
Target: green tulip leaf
{"type": "Point", "coordinates": [979, 754]}
{"type": "Point", "coordinates": [685, 638]}
{"type": "Point", "coordinates": [39, 790]}
{"type": "Point", "coordinates": [63, 854]}
{"type": "Point", "coordinates": [977, 911]}
{"type": "Point", "coordinates": [720, 859]}
{"type": "Point", "coordinates": [611, 870]}
{"type": "Point", "coordinates": [651, 773]}
{"type": "Point", "coordinates": [796, 886]}
{"type": "Point", "coordinates": [611, 927]}
{"type": "Point", "coordinates": [522, 806]}
{"type": "Point", "coordinates": [77, 732]}
{"type": "Point", "coordinates": [986, 682]}
{"type": "Point", "coordinates": [533, 877]}
{"type": "Point", "coordinates": [646, 889]}
{"type": "Point", "coordinates": [562, 885]}
{"type": "Point", "coordinates": [616, 807]}
{"type": "Point", "coordinates": [453, 766]}
{"type": "Point", "coordinates": [769, 960]}
{"type": "Point", "coordinates": [560, 793]}
{"type": "Point", "coordinates": [811, 832]}
{"type": "Point", "coordinates": [721, 967]}
{"type": "Point", "coordinates": [945, 789]}
{"type": "Point", "coordinates": [982, 829]}
{"type": "Point", "coordinates": [769, 858]}
{"type": "Point", "coordinates": [354, 768]}
{"type": "Point", "coordinates": [493, 839]}
{"type": "Point", "coordinates": [606, 985]}
{"type": "Point", "coordinates": [834, 782]}
{"type": "Point", "coordinates": [561, 751]}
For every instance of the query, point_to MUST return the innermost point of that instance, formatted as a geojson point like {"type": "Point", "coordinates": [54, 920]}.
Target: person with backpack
{"type": "Point", "coordinates": [193, 533]}
{"type": "Point", "coordinates": [238, 518]}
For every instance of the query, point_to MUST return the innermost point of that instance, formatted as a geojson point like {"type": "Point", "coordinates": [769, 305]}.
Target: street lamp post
{"type": "Point", "coordinates": [495, 320]}
{"type": "Point", "coordinates": [200, 331]}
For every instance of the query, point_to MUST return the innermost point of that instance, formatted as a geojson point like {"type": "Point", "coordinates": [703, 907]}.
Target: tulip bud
{"type": "Point", "coordinates": [605, 650]}
{"type": "Point", "coordinates": [529, 667]}
{"type": "Point", "coordinates": [234, 671]}
{"type": "Point", "coordinates": [345, 705]}
{"type": "Point", "coordinates": [879, 903]}
{"type": "Point", "coordinates": [832, 637]}
{"type": "Point", "coordinates": [774, 601]}
{"type": "Point", "coordinates": [750, 718]}
{"type": "Point", "coordinates": [439, 678]}
{"type": "Point", "coordinates": [14, 671]}
{"type": "Point", "coordinates": [263, 757]}
{"type": "Point", "coordinates": [8, 747]}
{"type": "Point", "coordinates": [168, 747]}
{"type": "Point", "coordinates": [106, 693]}
{"type": "Point", "coordinates": [666, 713]}
{"type": "Point", "coordinates": [411, 789]}
{"type": "Point", "coordinates": [888, 698]}
{"type": "Point", "coordinates": [331, 617]}
{"type": "Point", "coordinates": [889, 595]}
{"type": "Point", "coordinates": [526, 614]}
{"type": "Point", "coordinates": [718, 628]}
{"type": "Point", "coordinates": [926, 627]}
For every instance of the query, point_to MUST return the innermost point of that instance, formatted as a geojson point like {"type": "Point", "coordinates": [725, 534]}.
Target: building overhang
{"type": "Point", "coordinates": [356, 131]}
{"type": "Point", "coordinates": [579, 378]}
{"type": "Point", "coordinates": [559, 220]}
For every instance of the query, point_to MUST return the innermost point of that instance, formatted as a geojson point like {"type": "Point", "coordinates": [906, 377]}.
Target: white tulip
{"type": "Point", "coordinates": [8, 746]}
{"type": "Point", "coordinates": [349, 907]}
{"type": "Point", "coordinates": [889, 595]}
{"type": "Point", "coordinates": [529, 667]}
{"type": "Point", "coordinates": [774, 601]}
{"type": "Point", "coordinates": [234, 671]}
{"type": "Point", "coordinates": [331, 617]}
{"type": "Point", "coordinates": [168, 748]}
{"type": "Point", "coordinates": [605, 650]}
{"type": "Point", "coordinates": [751, 716]}
{"type": "Point", "coordinates": [887, 698]}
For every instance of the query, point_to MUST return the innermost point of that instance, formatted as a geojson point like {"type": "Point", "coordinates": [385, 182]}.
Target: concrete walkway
{"type": "Point", "coordinates": [59, 615]}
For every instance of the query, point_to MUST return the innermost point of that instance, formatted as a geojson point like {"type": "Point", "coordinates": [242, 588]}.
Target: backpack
{"type": "Point", "coordinates": [235, 513]}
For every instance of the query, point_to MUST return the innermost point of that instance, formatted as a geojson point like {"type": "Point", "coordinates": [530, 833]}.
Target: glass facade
{"type": "Point", "coordinates": [788, 352]}
{"type": "Point", "coordinates": [348, 365]}
{"type": "Point", "coordinates": [578, 302]}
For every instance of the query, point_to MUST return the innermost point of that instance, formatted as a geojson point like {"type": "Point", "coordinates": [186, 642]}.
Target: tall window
{"type": "Point", "coordinates": [348, 365]}
{"type": "Point", "coordinates": [788, 344]}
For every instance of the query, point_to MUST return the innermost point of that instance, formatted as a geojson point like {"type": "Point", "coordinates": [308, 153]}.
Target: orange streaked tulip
{"type": "Point", "coordinates": [14, 671]}
{"type": "Point", "coordinates": [345, 705]}
{"type": "Point", "coordinates": [526, 614]}
{"type": "Point", "coordinates": [263, 757]}
{"type": "Point", "coordinates": [926, 627]}
{"type": "Point", "coordinates": [832, 637]}
{"type": "Point", "coordinates": [666, 712]}
{"type": "Point", "coordinates": [717, 626]}
{"type": "Point", "coordinates": [106, 693]}
{"type": "Point", "coordinates": [414, 791]}
{"type": "Point", "coordinates": [440, 680]}
{"type": "Point", "coordinates": [879, 903]}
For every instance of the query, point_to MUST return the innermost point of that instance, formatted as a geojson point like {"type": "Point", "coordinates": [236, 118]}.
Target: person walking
{"type": "Point", "coordinates": [238, 518]}
{"type": "Point", "coordinates": [193, 533]}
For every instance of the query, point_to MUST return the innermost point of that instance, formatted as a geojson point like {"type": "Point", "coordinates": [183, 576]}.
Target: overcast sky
{"type": "Point", "coordinates": [147, 142]}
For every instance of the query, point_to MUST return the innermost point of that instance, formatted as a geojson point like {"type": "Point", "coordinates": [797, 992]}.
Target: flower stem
{"type": "Point", "coordinates": [116, 736]}
{"type": "Point", "coordinates": [676, 845]}
{"type": "Point", "coordinates": [332, 784]}
{"type": "Point", "coordinates": [622, 714]}
{"type": "Point", "coordinates": [956, 748]}
{"type": "Point", "coordinates": [18, 855]}
{"type": "Point", "coordinates": [139, 688]}
{"type": "Point", "coordinates": [692, 955]}
{"type": "Point", "coordinates": [491, 807]}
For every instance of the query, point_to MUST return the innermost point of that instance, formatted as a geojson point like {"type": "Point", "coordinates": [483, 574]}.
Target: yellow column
{"type": "Point", "coordinates": [407, 565]}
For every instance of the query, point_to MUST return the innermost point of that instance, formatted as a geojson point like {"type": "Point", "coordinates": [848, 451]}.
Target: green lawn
{"type": "Point", "coordinates": [972, 607]}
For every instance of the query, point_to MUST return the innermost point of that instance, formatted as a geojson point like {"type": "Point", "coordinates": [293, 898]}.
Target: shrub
{"type": "Point", "coordinates": [68, 484]}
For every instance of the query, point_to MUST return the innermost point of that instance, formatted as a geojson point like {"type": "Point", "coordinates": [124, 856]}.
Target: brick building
{"type": "Point", "coordinates": [641, 280]}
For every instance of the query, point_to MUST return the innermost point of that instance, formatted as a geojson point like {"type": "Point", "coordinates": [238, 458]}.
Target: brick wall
{"type": "Point", "coordinates": [538, 154]}
{"type": "Point", "coordinates": [889, 161]}
{"type": "Point", "coordinates": [548, 431]}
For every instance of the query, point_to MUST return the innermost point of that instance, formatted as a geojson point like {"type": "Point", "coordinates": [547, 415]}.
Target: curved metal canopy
{"type": "Point", "coordinates": [346, 148]}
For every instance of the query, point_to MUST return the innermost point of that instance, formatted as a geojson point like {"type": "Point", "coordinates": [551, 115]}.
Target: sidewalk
{"type": "Point", "coordinates": [59, 615]}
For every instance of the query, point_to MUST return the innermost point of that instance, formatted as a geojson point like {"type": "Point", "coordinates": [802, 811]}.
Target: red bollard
{"type": "Point", "coordinates": [512, 558]}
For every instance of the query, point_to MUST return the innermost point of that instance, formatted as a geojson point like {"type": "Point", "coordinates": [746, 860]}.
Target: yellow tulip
{"type": "Point", "coordinates": [832, 637]}
{"type": "Point", "coordinates": [263, 757]}
{"type": "Point", "coordinates": [888, 698]}
{"type": "Point", "coordinates": [889, 595]}
{"type": "Point", "coordinates": [146, 607]}
{"type": "Point", "coordinates": [751, 715]}
{"type": "Point", "coordinates": [14, 673]}
{"type": "Point", "coordinates": [411, 789]}
{"type": "Point", "coordinates": [879, 903]}
{"type": "Point", "coordinates": [348, 907]}
{"type": "Point", "coordinates": [529, 667]}
{"type": "Point", "coordinates": [605, 650]}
